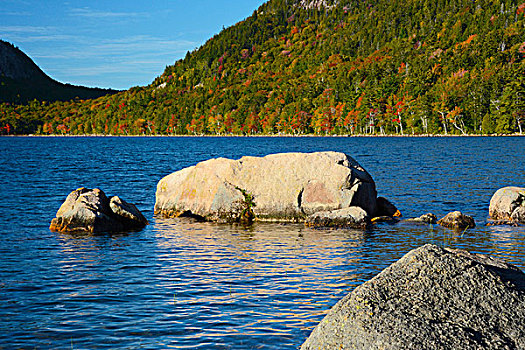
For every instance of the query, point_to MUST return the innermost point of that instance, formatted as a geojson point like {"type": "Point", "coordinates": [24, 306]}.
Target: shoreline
{"type": "Point", "coordinates": [272, 135]}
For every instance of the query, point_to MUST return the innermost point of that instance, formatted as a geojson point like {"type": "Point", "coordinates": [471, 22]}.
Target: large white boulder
{"type": "Point", "coordinates": [508, 203]}
{"type": "Point", "coordinates": [277, 187]}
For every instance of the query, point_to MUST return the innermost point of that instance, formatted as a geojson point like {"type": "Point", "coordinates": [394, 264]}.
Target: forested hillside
{"type": "Point", "coordinates": [21, 80]}
{"type": "Point", "coordinates": [325, 67]}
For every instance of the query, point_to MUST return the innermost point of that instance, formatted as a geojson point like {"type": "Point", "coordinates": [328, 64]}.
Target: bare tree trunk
{"type": "Point", "coordinates": [424, 121]}
{"type": "Point", "coordinates": [459, 128]}
{"type": "Point", "coordinates": [444, 121]}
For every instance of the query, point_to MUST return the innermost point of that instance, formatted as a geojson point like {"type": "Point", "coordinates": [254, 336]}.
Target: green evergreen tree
{"type": "Point", "coordinates": [487, 125]}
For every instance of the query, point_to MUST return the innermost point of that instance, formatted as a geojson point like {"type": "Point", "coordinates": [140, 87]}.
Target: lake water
{"type": "Point", "coordinates": [185, 285]}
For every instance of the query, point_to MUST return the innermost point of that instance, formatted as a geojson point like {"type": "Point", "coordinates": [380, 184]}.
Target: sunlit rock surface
{"type": "Point", "coordinates": [86, 210]}
{"type": "Point", "coordinates": [508, 203]}
{"type": "Point", "coordinates": [277, 187]}
{"type": "Point", "coordinates": [457, 220]}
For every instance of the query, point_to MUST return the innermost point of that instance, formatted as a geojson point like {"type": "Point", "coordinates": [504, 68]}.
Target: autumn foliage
{"type": "Point", "coordinates": [382, 67]}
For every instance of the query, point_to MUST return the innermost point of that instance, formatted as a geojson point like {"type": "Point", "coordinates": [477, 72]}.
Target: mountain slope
{"type": "Point", "coordinates": [21, 80]}
{"type": "Point", "coordinates": [326, 67]}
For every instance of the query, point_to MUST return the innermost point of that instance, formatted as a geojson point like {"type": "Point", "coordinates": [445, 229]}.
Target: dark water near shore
{"type": "Point", "coordinates": [184, 285]}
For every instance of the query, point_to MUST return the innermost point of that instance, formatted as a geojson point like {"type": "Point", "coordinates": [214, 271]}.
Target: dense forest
{"type": "Point", "coordinates": [343, 67]}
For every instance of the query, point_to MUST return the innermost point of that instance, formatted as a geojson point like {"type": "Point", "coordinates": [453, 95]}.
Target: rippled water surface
{"type": "Point", "coordinates": [181, 284]}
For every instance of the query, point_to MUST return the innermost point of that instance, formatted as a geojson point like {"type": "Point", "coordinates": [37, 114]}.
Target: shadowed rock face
{"type": "Point", "coordinates": [432, 298]}
{"type": "Point", "coordinates": [508, 203]}
{"type": "Point", "coordinates": [86, 210]}
{"type": "Point", "coordinates": [386, 208]}
{"type": "Point", "coordinates": [282, 187]}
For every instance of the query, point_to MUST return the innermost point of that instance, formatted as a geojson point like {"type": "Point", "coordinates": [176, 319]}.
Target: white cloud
{"type": "Point", "coordinates": [133, 56]}
{"type": "Point", "coordinates": [91, 13]}
{"type": "Point", "coordinates": [42, 38]}
{"type": "Point", "coordinates": [136, 47]}
{"type": "Point", "coordinates": [18, 2]}
{"type": "Point", "coordinates": [25, 29]}
{"type": "Point", "coordinates": [81, 58]}
{"type": "Point", "coordinates": [142, 44]}
{"type": "Point", "coordinates": [16, 13]}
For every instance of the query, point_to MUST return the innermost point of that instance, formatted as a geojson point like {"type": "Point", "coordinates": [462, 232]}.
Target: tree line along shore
{"type": "Point", "coordinates": [343, 67]}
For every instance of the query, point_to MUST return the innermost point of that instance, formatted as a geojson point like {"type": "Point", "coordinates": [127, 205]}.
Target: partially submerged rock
{"type": "Point", "coordinates": [427, 218]}
{"type": "Point", "coordinates": [508, 204]}
{"type": "Point", "coordinates": [457, 220]}
{"type": "Point", "coordinates": [432, 298]}
{"type": "Point", "coordinates": [86, 210]}
{"type": "Point", "coordinates": [502, 222]}
{"type": "Point", "coordinates": [351, 217]}
{"type": "Point", "coordinates": [281, 187]}
{"type": "Point", "coordinates": [388, 219]}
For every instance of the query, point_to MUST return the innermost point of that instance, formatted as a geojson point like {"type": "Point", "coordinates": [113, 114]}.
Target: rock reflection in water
{"type": "Point", "coordinates": [227, 286]}
{"type": "Point", "coordinates": [260, 279]}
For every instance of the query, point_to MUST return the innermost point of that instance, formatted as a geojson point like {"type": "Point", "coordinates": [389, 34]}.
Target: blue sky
{"type": "Point", "coordinates": [114, 44]}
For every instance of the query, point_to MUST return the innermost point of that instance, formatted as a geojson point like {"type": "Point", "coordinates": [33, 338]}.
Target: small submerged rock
{"type": "Point", "coordinates": [90, 210]}
{"type": "Point", "coordinates": [430, 299]}
{"type": "Point", "coordinates": [507, 205]}
{"type": "Point", "coordinates": [351, 217]}
{"type": "Point", "coordinates": [428, 218]}
{"type": "Point", "coordinates": [457, 220]}
{"type": "Point", "coordinates": [387, 219]}
{"type": "Point", "coordinates": [503, 222]}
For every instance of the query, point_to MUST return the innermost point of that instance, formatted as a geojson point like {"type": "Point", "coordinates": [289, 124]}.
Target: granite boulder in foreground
{"type": "Point", "coordinates": [86, 210]}
{"type": "Point", "coordinates": [277, 187]}
{"type": "Point", "coordinates": [508, 204]}
{"type": "Point", "coordinates": [432, 298]}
